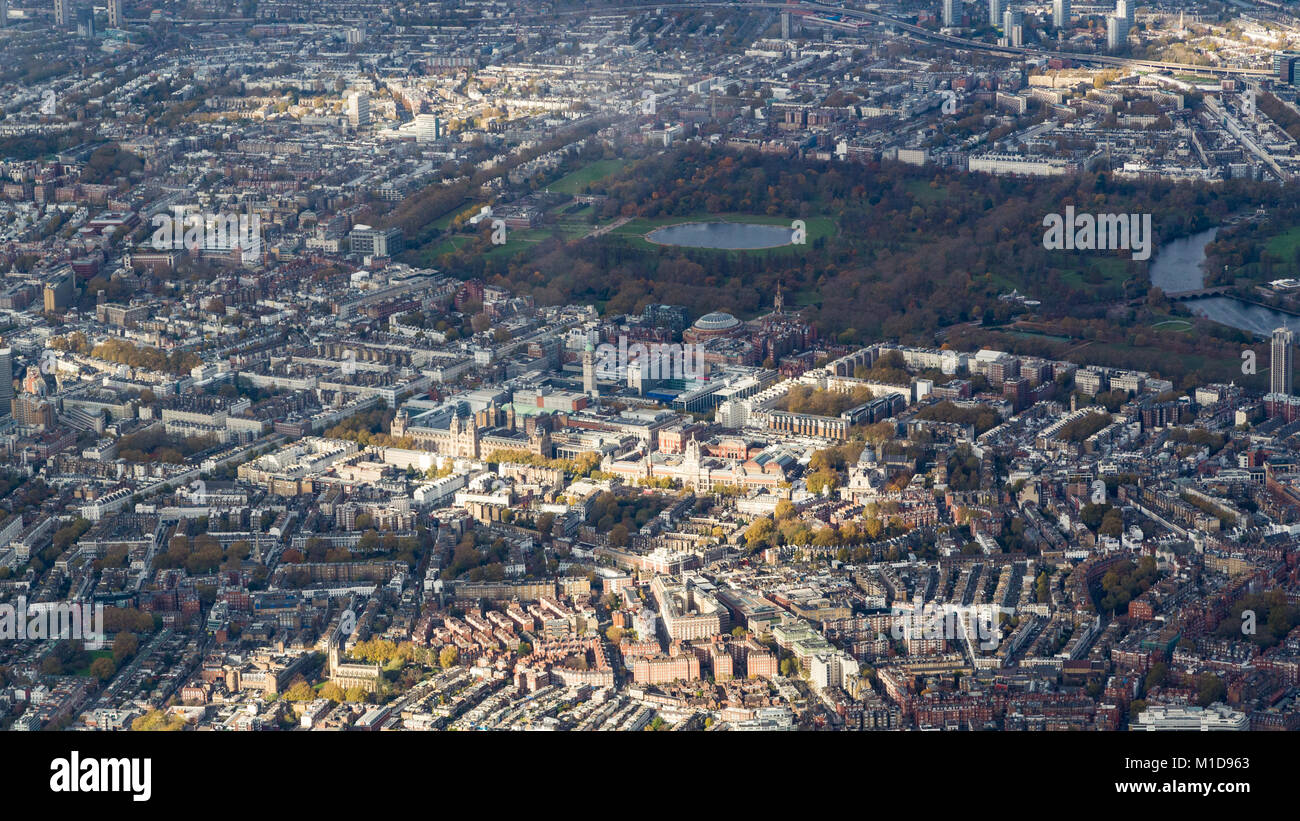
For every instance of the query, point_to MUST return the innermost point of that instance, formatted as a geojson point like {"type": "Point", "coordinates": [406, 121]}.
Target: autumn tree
{"type": "Point", "coordinates": [759, 533]}
{"type": "Point", "coordinates": [333, 692]}
{"type": "Point", "coordinates": [449, 656]}
{"type": "Point", "coordinates": [124, 646]}
{"type": "Point", "coordinates": [300, 690]}
{"type": "Point", "coordinates": [103, 668]}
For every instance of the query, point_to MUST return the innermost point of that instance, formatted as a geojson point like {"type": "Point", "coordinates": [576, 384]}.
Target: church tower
{"type": "Point", "coordinates": [334, 654]}
{"type": "Point", "coordinates": [589, 370]}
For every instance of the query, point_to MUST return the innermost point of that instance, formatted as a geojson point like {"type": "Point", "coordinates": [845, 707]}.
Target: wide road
{"type": "Point", "coordinates": [962, 42]}
{"type": "Point", "coordinates": [811, 9]}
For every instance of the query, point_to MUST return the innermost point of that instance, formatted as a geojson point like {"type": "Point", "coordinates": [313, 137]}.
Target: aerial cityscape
{"type": "Point", "coordinates": [721, 366]}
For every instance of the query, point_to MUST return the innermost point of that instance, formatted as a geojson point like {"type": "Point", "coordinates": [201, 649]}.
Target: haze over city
{"type": "Point", "coordinates": [578, 366]}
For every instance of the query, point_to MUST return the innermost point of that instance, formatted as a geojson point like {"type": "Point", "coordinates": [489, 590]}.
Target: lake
{"type": "Point", "coordinates": [1177, 267]}
{"type": "Point", "coordinates": [722, 236]}
{"type": "Point", "coordinates": [1177, 264]}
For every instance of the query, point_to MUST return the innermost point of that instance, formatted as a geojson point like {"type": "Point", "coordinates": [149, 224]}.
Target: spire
{"type": "Point", "coordinates": [780, 299]}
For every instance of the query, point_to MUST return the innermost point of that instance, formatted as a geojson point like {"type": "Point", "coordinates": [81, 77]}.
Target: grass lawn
{"type": "Point", "coordinates": [1003, 281]}
{"type": "Point", "coordinates": [575, 182]}
{"type": "Point", "coordinates": [805, 298]}
{"type": "Point", "coordinates": [449, 244]}
{"type": "Point", "coordinates": [1111, 269]}
{"type": "Point", "coordinates": [1284, 245]}
{"type": "Point", "coordinates": [1031, 334]}
{"type": "Point", "coordinates": [568, 228]}
{"type": "Point", "coordinates": [444, 222]}
{"type": "Point", "coordinates": [570, 210]}
{"type": "Point", "coordinates": [571, 230]}
{"type": "Point", "coordinates": [924, 194]}
{"type": "Point", "coordinates": [518, 240]}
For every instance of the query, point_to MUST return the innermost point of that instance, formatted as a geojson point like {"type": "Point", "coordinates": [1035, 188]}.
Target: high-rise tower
{"type": "Point", "coordinates": [952, 12]}
{"type": "Point", "coordinates": [1280, 362]}
{"type": "Point", "coordinates": [6, 380]}
{"type": "Point", "coordinates": [1061, 13]}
